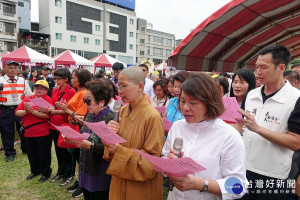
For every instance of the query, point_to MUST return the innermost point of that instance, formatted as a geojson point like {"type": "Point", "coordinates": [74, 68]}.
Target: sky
{"type": "Point", "coordinates": [177, 17]}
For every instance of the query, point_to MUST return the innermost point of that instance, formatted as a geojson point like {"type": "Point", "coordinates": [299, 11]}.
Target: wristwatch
{"type": "Point", "coordinates": [205, 186]}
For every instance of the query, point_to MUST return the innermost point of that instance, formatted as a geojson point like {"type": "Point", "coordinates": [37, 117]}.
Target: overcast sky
{"type": "Point", "coordinates": [178, 17]}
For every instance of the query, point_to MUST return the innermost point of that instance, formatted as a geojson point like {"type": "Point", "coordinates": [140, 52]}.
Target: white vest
{"type": "Point", "coordinates": [263, 156]}
{"type": "Point", "coordinates": [13, 93]}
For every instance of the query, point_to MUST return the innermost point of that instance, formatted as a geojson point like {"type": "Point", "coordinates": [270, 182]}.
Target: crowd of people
{"type": "Point", "coordinates": [259, 150]}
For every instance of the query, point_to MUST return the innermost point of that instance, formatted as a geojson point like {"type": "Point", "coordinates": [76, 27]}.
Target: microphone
{"type": "Point", "coordinates": [177, 145]}
{"type": "Point", "coordinates": [116, 107]}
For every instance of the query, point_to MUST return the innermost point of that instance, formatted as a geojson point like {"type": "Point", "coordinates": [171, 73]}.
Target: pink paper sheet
{"type": "Point", "coordinates": [101, 129]}
{"type": "Point", "coordinates": [177, 167]}
{"type": "Point", "coordinates": [161, 109]}
{"type": "Point", "coordinates": [30, 103]}
{"type": "Point", "coordinates": [231, 109]}
{"type": "Point", "coordinates": [167, 124]}
{"type": "Point", "coordinates": [69, 133]}
{"type": "Point", "coordinates": [120, 99]}
{"type": "Point", "coordinates": [40, 102]}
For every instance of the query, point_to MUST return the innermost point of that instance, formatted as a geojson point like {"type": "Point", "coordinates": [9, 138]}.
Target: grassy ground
{"type": "Point", "coordinates": [14, 186]}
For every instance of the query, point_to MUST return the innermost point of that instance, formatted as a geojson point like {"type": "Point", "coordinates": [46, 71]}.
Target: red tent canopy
{"type": "Point", "coordinates": [104, 60]}
{"type": "Point", "coordinates": [231, 37]}
{"type": "Point", "coordinates": [69, 58]}
{"type": "Point", "coordinates": [27, 55]}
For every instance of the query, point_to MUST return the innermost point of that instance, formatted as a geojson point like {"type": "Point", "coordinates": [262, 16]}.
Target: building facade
{"type": "Point", "coordinates": [24, 18]}
{"type": "Point", "coordinates": [89, 27]}
{"type": "Point", "coordinates": [152, 44]}
{"type": "Point", "coordinates": [8, 25]}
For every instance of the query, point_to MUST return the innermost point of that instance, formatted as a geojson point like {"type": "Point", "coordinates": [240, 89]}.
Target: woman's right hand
{"type": "Point", "coordinates": [62, 106]}
{"type": "Point", "coordinates": [173, 154]}
{"type": "Point", "coordinates": [114, 126]}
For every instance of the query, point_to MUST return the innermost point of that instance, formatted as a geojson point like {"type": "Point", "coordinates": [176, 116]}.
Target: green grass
{"type": "Point", "coordinates": [14, 186]}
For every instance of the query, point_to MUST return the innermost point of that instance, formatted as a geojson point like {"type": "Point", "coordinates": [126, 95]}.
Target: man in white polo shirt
{"type": "Point", "coordinates": [272, 120]}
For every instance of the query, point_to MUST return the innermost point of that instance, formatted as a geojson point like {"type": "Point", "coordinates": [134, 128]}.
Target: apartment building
{"type": "Point", "coordinates": [90, 27]}
{"type": "Point", "coordinates": [8, 25]}
{"type": "Point", "coordinates": [152, 44]}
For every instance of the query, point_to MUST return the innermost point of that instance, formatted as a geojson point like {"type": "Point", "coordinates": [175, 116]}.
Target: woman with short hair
{"type": "Point", "coordinates": [173, 110]}
{"type": "Point", "coordinates": [62, 93]}
{"type": "Point", "coordinates": [76, 107]}
{"type": "Point", "coordinates": [36, 132]}
{"type": "Point", "coordinates": [208, 141]}
{"type": "Point", "coordinates": [161, 91]}
{"type": "Point", "coordinates": [92, 175]}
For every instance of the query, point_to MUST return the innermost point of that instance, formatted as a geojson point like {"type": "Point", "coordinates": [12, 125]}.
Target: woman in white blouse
{"type": "Point", "coordinates": [160, 98]}
{"type": "Point", "coordinates": [210, 142]}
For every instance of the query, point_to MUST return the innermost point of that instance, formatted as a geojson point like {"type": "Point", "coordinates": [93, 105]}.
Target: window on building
{"type": "Point", "coordinates": [142, 53]}
{"type": "Point", "coordinates": [158, 39]}
{"type": "Point", "coordinates": [142, 41]}
{"type": "Point", "coordinates": [97, 42]}
{"type": "Point", "coordinates": [113, 30]}
{"type": "Point", "coordinates": [21, 4]}
{"type": "Point", "coordinates": [157, 51]}
{"type": "Point", "coordinates": [168, 42]}
{"type": "Point", "coordinates": [58, 36]}
{"type": "Point", "coordinates": [168, 52]}
{"type": "Point", "coordinates": [58, 3]}
{"type": "Point", "coordinates": [73, 38]}
{"type": "Point", "coordinates": [148, 50]}
{"type": "Point", "coordinates": [143, 28]}
{"type": "Point", "coordinates": [85, 40]}
{"type": "Point", "coordinates": [131, 46]}
{"type": "Point", "coordinates": [97, 27]}
{"type": "Point", "coordinates": [58, 20]}
{"type": "Point", "coordinates": [149, 38]}
{"type": "Point", "coordinates": [130, 34]}
{"type": "Point", "coordinates": [19, 19]}
{"type": "Point", "coordinates": [131, 21]}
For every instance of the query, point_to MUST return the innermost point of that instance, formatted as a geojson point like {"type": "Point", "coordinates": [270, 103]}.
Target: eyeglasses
{"type": "Point", "coordinates": [57, 78]}
{"type": "Point", "coordinates": [12, 68]}
{"type": "Point", "coordinates": [123, 87]}
{"type": "Point", "coordinates": [40, 88]}
{"type": "Point", "coordinates": [87, 101]}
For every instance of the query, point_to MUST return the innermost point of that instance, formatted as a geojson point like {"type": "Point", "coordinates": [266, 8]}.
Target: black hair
{"type": "Point", "coordinates": [144, 65]}
{"type": "Point", "coordinates": [31, 77]}
{"type": "Point", "coordinates": [24, 74]}
{"type": "Point", "coordinates": [280, 54]}
{"type": "Point", "coordinates": [291, 76]}
{"type": "Point", "coordinates": [296, 64]}
{"type": "Point", "coordinates": [246, 75]}
{"type": "Point", "coordinates": [117, 66]}
{"type": "Point", "coordinates": [63, 73]}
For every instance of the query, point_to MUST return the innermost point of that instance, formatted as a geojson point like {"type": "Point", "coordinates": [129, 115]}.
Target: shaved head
{"type": "Point", "coordinates": [134, 74]}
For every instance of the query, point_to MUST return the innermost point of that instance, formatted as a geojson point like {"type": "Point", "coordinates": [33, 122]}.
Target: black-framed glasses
{"type": "Point", "coordinates": [87, 101]}
{"type": "Point", "coordinates": [57, 78]}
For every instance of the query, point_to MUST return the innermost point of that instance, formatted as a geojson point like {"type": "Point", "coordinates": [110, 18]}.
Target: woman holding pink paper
{"type": "Point", "coordinates": [92, 177]}
{"type": "Point", "coordinates": [37, 133]}
{"type": "Point", "coordinates": [209, 141]}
